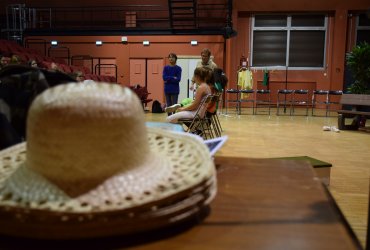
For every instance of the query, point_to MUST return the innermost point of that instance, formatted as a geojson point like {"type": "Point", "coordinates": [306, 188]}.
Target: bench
{"type": "Point", "coordinates": [357, 103]}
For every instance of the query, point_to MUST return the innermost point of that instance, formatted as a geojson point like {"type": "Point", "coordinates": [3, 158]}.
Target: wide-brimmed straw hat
{"type": "Point", "coordinates": [90, 168]}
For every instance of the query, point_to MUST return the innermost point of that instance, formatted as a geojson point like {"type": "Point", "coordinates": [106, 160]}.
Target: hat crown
{"type": "Point", "coordinates": [78, 135]}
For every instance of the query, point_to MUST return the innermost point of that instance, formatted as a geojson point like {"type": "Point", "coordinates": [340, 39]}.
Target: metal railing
{"type": "Point", "coordinates": [151, 16]}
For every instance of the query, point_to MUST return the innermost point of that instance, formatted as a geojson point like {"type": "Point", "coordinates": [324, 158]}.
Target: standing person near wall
{"type": "Point", "coordinates": [172, 77]}
{"type": "Point", "coordinates": [206, 62]}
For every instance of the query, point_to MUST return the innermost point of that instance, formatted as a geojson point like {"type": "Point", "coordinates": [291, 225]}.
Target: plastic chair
{"type": "Point", "coordinates": [287, 100]}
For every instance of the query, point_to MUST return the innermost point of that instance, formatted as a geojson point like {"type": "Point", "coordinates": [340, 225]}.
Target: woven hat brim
{"type": "Point", "coordinates": [187, 184]}
{"type": "Point", "coordinates": [177, 161]}
{"type": "Point", "coordinates": [173, 210]}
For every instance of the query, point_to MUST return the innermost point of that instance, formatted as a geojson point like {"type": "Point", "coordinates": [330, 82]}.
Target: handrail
{"type": "Point", "coordinates": [106, 66]}
{"type": "Point", "coordinates": [60, 49]}
{"type": "Point", "coordinates": [201, 18]}
{"type": "Point", "coordinates": [29, 41]}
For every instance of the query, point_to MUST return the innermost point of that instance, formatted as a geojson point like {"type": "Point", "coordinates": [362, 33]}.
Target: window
{"type": "Point", "coordinates": [363, 29]}
{"type": "Point", "coordinates": [289, 40]}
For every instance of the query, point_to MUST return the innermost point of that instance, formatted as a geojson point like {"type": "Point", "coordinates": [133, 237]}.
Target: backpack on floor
{"type": "Point", "coordinates": [157, 107]}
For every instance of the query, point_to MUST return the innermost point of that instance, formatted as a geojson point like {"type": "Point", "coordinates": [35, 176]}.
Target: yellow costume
{"type": "Point", "coordinates": [245, 80]}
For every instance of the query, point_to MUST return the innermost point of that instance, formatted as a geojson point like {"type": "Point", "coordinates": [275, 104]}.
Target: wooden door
{"type": "Point", "coordinates": [155, 82]}
{"type": "Point", "coordinates": [138, 72]}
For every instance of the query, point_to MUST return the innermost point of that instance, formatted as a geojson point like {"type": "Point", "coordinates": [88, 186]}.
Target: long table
{"type": "Point", "coordinates": [260, 204]}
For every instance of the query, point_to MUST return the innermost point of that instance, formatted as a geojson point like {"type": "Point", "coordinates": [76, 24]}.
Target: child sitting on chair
{"type": "Point", "coordinates": [201, 76]}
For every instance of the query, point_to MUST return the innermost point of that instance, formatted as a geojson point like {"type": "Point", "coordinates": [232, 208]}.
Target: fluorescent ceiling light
{"type": "Point", "coordinates": [194, 42]}
{"type": "Point", "coordinates": [98, 43]}
{"type": "Point", "coordinates": [54, 43]}
{"type": "Point", "coordinates": [146, 43]}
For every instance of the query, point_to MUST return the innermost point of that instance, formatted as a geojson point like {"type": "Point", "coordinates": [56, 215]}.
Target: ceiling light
{"type": "Point", "coordinates": [124, 39]}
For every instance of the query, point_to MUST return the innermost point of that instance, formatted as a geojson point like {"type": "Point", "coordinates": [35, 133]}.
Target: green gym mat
{"type": "Point", "coordinates": [314, 162]}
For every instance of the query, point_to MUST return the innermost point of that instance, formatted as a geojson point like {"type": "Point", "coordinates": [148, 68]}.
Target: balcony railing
{"type": "Point", "coordinates": [125, 17]}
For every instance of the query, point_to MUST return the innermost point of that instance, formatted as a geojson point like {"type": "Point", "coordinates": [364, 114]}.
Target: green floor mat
{"type": "Point", "coordinates": [314, 162]}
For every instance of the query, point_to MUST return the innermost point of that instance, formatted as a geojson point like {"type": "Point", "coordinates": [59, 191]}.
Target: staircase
{"type": "Point", "coordinates": [15, 22]}
{"type": "Point", "coordinates": [182, 14]}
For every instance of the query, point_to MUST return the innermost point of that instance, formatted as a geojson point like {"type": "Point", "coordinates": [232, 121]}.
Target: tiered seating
{"type": "Point", "coordinates": [9, 48]}
{"type": "Point", "coordinates": [142, 93]}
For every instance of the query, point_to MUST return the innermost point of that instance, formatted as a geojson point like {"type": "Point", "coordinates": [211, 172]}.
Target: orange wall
{"type": "Point", "coordinates": [301, 5]}
{"type": "Point", "coordinates": [160, 47]}
{"type": "Point", "coordinates": [331, 77]}
{"type": "Point", "coordinates": [228, 55]}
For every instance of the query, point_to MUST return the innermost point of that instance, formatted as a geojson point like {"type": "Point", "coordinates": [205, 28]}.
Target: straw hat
{"type": "Point", "coordinates": [91, 163]}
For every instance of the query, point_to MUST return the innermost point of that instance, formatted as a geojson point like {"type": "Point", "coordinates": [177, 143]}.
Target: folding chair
{"type": "Point", "coordinates": [199, 124]}
{"type": "Point", "coordinates": [263, 98]}
{"type": "Point", "coordinates": [247, 95]}
{"type": "Point", "coordinates": [319, 97]}
{"type": "Point", "coordinates": [236, 95]}
{"type": "Point", "coordinates": [286, 101]}
{"type": "Point", "coordinates": [333, 98]}
{"type": "Point", "coordinates": [213, 117]}
{"type": "Point", "coordinates": [300, 98]}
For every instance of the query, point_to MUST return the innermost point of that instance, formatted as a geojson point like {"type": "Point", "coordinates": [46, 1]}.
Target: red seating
{"type": "Point", "coordinates": [92, 77]}
{"type": "Point", "coordinates": [86, 70]}
{"type": "Point", "coordinates": [60, 60]}
{"type": "Point", "coordinates": [38, 58]}
{"type": "Point", "coordinates": [65, 68]}
{"type": "Point", "coordinates": [142, 93]}
{"type": "Point", "coordinates": [112, 79]}
{"type": "Point", "coordinates": [78, 68]}
{"type": "Point", "coordinates": [23, 58]}
{"type": "Point", "coordinates": [9, 48]}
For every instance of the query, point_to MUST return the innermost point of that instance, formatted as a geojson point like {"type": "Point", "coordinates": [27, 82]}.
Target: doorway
{"type": "Point", "coordinates": [148, 72]}
{"type": "Point", "coordinates": [187, 64]}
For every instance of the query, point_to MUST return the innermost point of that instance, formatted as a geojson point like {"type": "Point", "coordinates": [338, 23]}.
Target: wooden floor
{"type": "Point", "coordinates": [264, 136]}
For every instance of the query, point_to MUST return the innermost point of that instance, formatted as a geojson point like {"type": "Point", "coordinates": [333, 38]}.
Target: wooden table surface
{"type": "Point", "coordinates": [260, 204]}
{"type": "Point", "coordinates": [266, 204]}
